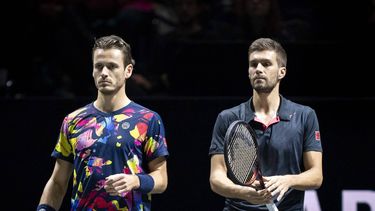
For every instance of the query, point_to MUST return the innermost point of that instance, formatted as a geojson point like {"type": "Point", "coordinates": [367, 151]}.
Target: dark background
{"type": "Point", "coordinates": [332, 72]}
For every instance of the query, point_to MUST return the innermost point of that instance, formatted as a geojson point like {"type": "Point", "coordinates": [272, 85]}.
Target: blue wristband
{"type": "Point", "coordinates": [45, 207]}
{"type": "Point", "coordinates": [146, 183]}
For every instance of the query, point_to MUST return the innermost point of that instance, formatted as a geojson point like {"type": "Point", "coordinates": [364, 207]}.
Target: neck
{"type": "Point", "coordinates": [266, 103]}
{"type": "Point", "coordinates": [110, 103]}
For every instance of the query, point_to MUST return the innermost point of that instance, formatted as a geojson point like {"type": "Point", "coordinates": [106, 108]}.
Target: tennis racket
{"type": "Point", "coordinates": [241, 156]}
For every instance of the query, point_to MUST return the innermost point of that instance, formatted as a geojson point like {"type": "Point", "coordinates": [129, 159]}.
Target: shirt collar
{"type": "Point", "coordinates": [284, 112]}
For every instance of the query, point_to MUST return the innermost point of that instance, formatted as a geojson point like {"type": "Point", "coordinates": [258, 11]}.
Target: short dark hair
{"type": "Point", "coordinates": [263, 44]}
{"type": "Point", "coordinates": [116, 42]}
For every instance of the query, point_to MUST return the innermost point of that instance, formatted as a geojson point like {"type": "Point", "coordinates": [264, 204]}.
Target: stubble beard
{"type": "Point", "coordinates": [264, 88]}
{"type": "Point", "coordinates": [106, 91]}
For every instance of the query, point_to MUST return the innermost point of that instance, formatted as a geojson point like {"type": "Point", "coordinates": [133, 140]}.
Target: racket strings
{"type": "Point", "coordinates": [242, 154]}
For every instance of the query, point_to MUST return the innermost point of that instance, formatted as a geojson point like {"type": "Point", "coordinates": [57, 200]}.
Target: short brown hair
{"type": "Point", "coordinates": [116, 42]}
{"type": "Point", "coordinates": [263, 44]}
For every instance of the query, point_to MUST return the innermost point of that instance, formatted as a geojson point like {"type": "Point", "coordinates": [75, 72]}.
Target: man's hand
{"type": "Point", "coordinates": [278, 185]}
{"type": "Point", "coordinates": [258, 196]}
{"type": "Point", "coordinates": [121, 184]}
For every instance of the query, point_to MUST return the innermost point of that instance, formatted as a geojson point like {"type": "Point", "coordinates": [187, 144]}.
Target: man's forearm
{"type": "Point", "coordinates": [53, 194]}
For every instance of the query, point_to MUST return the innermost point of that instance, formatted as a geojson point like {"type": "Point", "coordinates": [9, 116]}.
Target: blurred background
{"type": "Point", "coordinates": [191, 62]}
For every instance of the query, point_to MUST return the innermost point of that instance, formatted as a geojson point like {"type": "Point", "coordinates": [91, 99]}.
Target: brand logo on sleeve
{"type": "Point", "coordinates": [317, 135]}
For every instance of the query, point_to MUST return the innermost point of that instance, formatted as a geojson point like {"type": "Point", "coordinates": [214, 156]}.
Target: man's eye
{"type": "Point", "coordinates": [111, 66]}
{"type": "Point", "coordinates": [266, 64]}
{"type": "Point", "coordinates": [98, 66]}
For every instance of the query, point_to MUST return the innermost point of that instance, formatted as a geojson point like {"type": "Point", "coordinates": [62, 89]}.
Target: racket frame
{"type": "Point", "coordinates": [257, 173]}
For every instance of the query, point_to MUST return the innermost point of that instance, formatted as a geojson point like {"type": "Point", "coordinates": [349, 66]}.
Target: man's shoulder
{"type": "Point", "coordinates": [235, 110]}
{"type": "Point", "coordinates": [143, 110]}
{"type": "Point", "coordinates": [295, 105]}
{"type": "Point", "coordinates": [79, 111]}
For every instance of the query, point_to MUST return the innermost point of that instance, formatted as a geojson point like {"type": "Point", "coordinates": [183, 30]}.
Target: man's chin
{"type": "Point", "coordinates": [263, 90]}
{"type": "Point", "coordinates": [106, 91]}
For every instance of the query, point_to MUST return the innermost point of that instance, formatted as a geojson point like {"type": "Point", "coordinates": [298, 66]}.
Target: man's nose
{"type": "Point", "coordinates": [104, 72]}
{"type": "Point", "coordinates": [259, 67]}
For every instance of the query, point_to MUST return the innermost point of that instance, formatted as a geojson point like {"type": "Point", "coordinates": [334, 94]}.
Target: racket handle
{"type": "Point", "coordinates": [272, 207]}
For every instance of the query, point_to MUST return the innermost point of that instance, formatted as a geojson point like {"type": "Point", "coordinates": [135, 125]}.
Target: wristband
{"type": "Point", "coordinates": [45, 207]}
{"type": "Point", "coordinates": [146, 183]}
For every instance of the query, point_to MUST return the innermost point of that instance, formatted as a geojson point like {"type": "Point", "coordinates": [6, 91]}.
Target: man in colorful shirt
{"type": "Point", "coordinates": [115, 148]}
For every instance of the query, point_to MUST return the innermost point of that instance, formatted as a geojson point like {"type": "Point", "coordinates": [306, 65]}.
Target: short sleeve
{"type": "Point", "coordinates": [312, 140]}
{"type": "Point", "coordinates": [63, 149]}
{"type": "Point", "coordinates": [156, 143]}
{"type": "Point", "coordinates": [218, 134]}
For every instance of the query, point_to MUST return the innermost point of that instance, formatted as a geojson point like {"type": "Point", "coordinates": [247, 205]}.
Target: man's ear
{"type": "Point", "coordinates": [128, 71]}
{"type": "Point", "coordinates": [282, 73]}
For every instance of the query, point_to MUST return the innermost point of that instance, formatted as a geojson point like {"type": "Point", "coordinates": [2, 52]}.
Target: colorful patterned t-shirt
{"type": "Point", "coordinates": [101, 144]}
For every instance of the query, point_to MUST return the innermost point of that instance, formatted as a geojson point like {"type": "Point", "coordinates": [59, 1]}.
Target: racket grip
{"type": "Point", "coordinates": [272, 207]}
